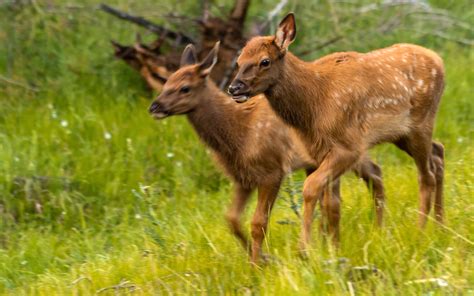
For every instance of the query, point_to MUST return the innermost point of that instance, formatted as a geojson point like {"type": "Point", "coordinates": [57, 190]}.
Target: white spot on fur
{"type": "Point", "coordinates": [420, 83]}
{"type": "Point", "coordinates": [259, 124]}
{"type": "Point", "coordinates": [433, 72]}
{"type": "Point", "coordinates": [410, 73]}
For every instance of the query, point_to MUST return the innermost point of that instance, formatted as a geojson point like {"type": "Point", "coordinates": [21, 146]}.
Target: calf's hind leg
{"type": "Point", "coordinates": [418, 145]}
{"type": "Point", "coordinates": [330, 204]}
{"type": "Point", "coordinates": [371, 173]}
{"type": "Point", "coordinates": [438, 168]}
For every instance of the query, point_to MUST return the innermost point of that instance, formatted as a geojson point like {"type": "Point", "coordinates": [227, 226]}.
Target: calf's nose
{"type": "Point", "coordinates": [154, 107]}
{"type": "Point", "coordinates": [235, 87]}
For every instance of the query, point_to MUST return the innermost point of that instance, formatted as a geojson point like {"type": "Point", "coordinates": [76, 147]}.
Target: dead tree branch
{"type": "Point", "coordinates": [388, 4]}
{"type": "Point", "coordinates": [442, 35]}
{"type": "Point", "coordinates": [205, 10]}
{"type": "Point", "coordinates": [239, 12]}
{"type": "Point", "coordinates": [262, 28]}
{"type": "Point", "coordinates": [321, 45]}
{"type": "Point", "coordinates": [181, 38]}
{"type": "Point", "coordinates": [440, 17]}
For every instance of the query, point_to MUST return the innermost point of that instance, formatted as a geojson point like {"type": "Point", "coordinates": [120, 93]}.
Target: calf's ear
{"type": "Point", "coordinates": [189, 56]}
{"type": "Point", "coordinates": [286, 32]}
{"type": "Point", "coordinates": [205, 67]}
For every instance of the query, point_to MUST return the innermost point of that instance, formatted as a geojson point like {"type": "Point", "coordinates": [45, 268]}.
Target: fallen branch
{"type": "Point", "coordinates": [181, 38]}
{"type": "Point", "coordinates": [123, 285]}
{"type": "Point", "coordinates": [19, 84]}
{"type": "Point", "coordinates": [155, 64]}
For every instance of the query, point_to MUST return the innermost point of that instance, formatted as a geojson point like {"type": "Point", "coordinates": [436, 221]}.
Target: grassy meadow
{"type": "Point", "coordinates": [97, 197]}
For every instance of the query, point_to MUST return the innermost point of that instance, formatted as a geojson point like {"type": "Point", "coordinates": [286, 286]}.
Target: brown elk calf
{"type": "Point", "coordinates": [347, 102]}
{"type": "Point", "coordinates": [252, 144]}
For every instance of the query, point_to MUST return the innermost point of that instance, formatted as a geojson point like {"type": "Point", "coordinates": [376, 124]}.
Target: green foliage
{"type": "Point", "coordinates": [94, 193]}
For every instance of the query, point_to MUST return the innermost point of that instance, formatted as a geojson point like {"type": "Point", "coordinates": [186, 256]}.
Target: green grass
{"type": "Point", "coordinates": [94, 193]}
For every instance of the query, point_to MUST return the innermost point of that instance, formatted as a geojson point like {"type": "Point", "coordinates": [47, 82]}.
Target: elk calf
{"type": "Point", "coordinates": [347, 102]}
{"type": "Point", "coordinates": [252, 144]}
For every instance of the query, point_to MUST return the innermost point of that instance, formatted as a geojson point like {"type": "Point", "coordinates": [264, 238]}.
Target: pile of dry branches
{"type": "Point", "coordinates": [155, 65]}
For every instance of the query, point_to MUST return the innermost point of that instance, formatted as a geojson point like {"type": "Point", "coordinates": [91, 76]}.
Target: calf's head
{"type": "Point", "coordinates": [261, 61]}
{"type": "Point", "coordinates": [182, 89]}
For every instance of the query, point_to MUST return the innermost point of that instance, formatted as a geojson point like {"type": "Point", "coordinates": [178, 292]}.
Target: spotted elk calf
{"type": "Point", "coordinates": [252, 144]}
{"type": "Point", "coordinates": [347, 102]}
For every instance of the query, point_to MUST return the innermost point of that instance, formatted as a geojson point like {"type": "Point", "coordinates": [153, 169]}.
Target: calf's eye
{"type": "Point", "coordinates": [185, 89]}
{"type": "Point", "coordinates": [265, 63]}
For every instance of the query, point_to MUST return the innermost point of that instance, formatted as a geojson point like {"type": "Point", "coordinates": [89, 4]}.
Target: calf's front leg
{"type": "Point", "coordinates": [335, 163]}
{"type": "Point", "coordinates": [236, 209]}
{"type": "Point", "coordinates": [267, 194]}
